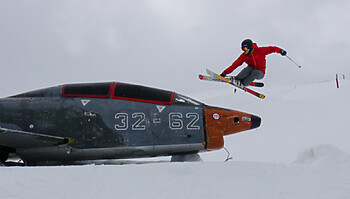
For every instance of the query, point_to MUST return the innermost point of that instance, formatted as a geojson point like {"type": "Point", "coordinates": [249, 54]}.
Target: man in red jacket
{"type": "Point", "coordinates": [255, 57]}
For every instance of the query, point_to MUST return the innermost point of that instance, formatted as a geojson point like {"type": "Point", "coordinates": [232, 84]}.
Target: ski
{"type": "Point", "coordinates": [223, 79]}
{"type": "Point", "coordinates": [211, 78]}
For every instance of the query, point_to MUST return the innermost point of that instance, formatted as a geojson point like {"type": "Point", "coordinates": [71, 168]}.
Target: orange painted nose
{"type": "Point", "coordinates": [221, 122]}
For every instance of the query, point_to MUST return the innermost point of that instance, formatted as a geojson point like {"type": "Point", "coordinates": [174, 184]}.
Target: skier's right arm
{"type": "Point", "coordinates": [239, 61]}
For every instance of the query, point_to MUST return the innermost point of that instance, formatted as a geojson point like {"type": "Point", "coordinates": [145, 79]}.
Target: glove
{"type": "Point", "coordinates": [283, 52]}
{"type": "Point", "coordinates": [223, 74]}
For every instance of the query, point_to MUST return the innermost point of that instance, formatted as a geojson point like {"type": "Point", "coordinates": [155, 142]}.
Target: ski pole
{"type": "Point", "coordinates": [293, 61]}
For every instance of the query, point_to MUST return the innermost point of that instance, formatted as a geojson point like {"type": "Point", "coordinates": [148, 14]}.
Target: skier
{"type": "Point", "coordinates": [255, 57]}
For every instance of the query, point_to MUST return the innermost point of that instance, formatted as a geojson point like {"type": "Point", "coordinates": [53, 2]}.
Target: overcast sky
{"type": "Point", "coordinates": [165, 43]}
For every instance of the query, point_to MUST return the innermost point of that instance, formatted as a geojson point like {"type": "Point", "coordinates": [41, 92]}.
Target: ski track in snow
{"type": "Point", "coordinates": [300, 151]}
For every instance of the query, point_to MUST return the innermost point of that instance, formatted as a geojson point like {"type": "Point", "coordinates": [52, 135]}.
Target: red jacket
{"type": "Point", "coordinates": [257, 59]}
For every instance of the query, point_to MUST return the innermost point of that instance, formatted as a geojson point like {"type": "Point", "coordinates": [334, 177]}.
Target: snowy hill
{"type": "Point", "coordinates": [300, 151]}
{"type": "Point", "coordinates": [320, 173]}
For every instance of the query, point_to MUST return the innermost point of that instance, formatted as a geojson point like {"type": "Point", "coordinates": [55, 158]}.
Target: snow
{"type": "Point", "coordinates": [300, 151]}
{"type": "Point", "coordinates": [324, 175]}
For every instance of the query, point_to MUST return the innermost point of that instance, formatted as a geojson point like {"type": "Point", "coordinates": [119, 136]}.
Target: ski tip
{"type": "Point", "coordinates": [261, 96]}
{"type": "Point", "coordinates": [208, 71]}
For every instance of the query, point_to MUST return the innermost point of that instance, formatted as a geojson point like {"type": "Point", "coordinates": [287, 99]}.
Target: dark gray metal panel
{"type": "Point", "coordinates": [153, 124]}
{"type": "Point", "coordinates": [64, 117]}
{"type": "Point", "coordinates": [96, 123]}
{"type": "Point", "coordinates": [21, 139]}
{"type": "Point", "coordinates": [67, 153]}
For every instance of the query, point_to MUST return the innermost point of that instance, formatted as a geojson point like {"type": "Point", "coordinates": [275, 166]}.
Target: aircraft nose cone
{"type": "Point", "coordinates": [256, 121]}
{"type": "Point", "coordinates": [220, 122]}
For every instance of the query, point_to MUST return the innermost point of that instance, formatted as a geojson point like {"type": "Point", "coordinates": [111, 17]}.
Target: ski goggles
{"type": "Point", "coordinates": [245, 49]}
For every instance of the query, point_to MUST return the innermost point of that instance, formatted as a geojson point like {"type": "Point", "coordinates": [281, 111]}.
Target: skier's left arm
{"type": "Point", "coordinates": [274, 49]}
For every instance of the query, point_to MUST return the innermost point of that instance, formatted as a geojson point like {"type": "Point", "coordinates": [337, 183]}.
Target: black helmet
{"type": "Point", "coordinates": [247, 46]}
{"type": "Point", "coordinates": [247, 43]}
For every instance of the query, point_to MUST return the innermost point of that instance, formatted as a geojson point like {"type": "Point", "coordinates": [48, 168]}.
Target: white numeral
{"type": "Point", "coordinates": [123, 121]}
{"type": "Point", "coordinates": [137, 125]}
{"type": "Point", "coordinates": [175, 121]}
{"type": "Point", "coordinates": [195, 118]}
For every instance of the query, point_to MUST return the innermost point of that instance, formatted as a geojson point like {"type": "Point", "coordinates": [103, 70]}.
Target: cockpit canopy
{"type": "Point", "coordinates": [94, 90]}
{"type": "Point", "coordinates": [114, 90]}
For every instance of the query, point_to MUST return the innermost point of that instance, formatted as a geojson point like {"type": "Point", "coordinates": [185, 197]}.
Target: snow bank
{"type": "Point", "coordinates": [232, 179]}
{"type": "Point", "coordinates": [323, 154]}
